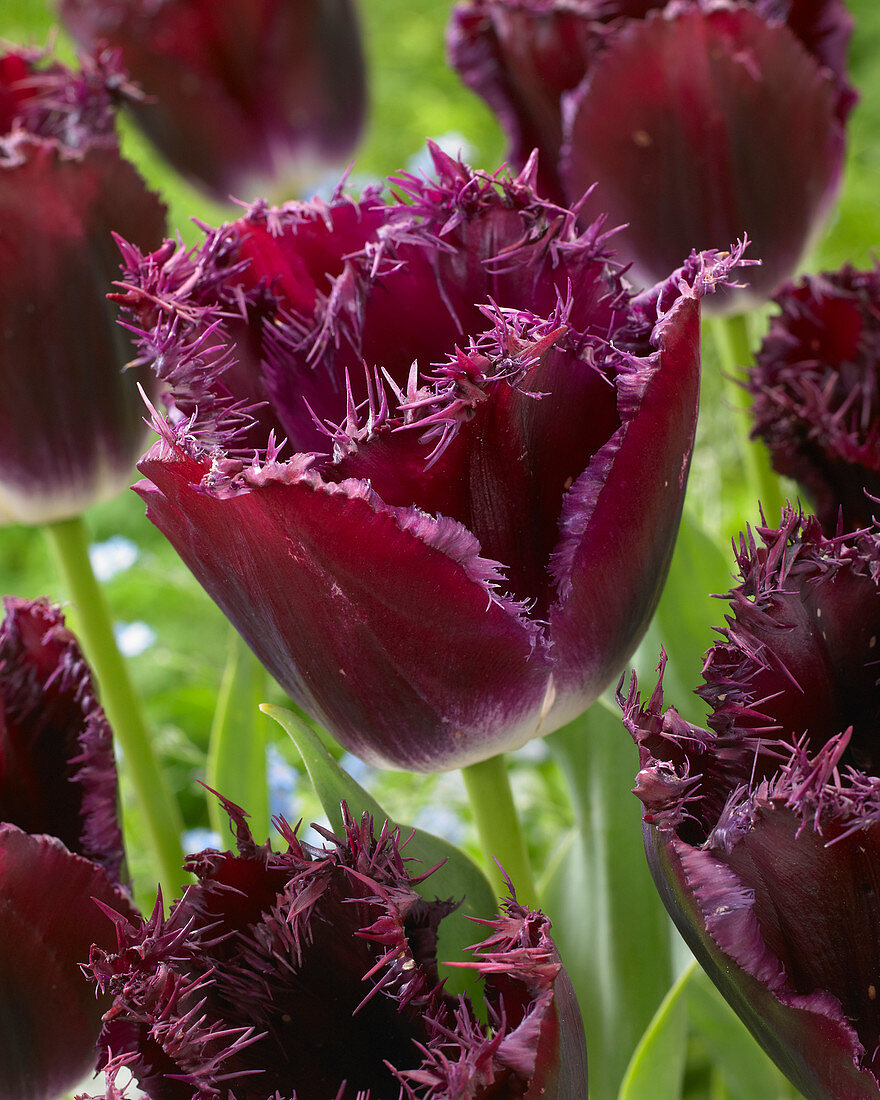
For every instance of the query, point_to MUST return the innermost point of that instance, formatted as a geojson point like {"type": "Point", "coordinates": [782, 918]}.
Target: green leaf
{"type": "Point", "coordinates": [741, 1064]}
{"type": "Point", "coordinates": [458, 877]}
{"type": "Point", "coordinates": [657, 1066]}
{"type": "Point", "coordinates": [685, 618]}
{"type": "Point", "coordinates": [236, 763]}
{"type": "Point", "coordinates": [608, 921]}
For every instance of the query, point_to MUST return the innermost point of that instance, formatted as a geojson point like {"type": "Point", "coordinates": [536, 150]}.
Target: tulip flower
{"type": "Point", "coordinates": [60, 850]}
{"type": "Point", "coordinates": [697, 121]}
{"type": "Point", "coordinates": [762, 831]}
{"type": "Point", "coordinates": [489, 437]}
{"type": "Point", "coordinates": [71, 421]}
{"type": "Point", "coordinates": [313, 972]}
{"type": "Point", "coordinates": [815, 390]}
{"type": "Point", "coordinates": [239, 94]}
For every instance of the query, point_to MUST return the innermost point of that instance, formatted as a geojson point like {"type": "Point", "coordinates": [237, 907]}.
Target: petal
{"type": "Point", "coordinates": [726, 919]}
{"type": "Point", "coordinates": [48, 922]}
{"type": "Point", "coordinates": [71, 422]}
{"type": "Point", "coordinates": [240, 93]}
{"type": "Point", "coordinates": [57, 769]}
{"type": "Point", "coordinates": [359, 610]}
{"type": "Point", "coordinates": [620, 517]}
{"type": "Point", "coordinates": [734, 130]}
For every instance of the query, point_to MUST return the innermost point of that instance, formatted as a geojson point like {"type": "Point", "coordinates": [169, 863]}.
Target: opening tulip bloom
{"type": "Point", "coordinates": [312, 974]}
{"type": "Point", "coordinates": [60, 849]}
{"type": "Point", "coordinates": [241, 95]}
{"type": "Point", "coordinates": [490, 437]}
{"type": "Point", "coordinates": [763, 831]}
{"type": "Point", "coordinates": [71, 421]}
{"type": "Point", "coordinates": [698, 120]}
{"type": "Point", "coordinates": [815, 388]}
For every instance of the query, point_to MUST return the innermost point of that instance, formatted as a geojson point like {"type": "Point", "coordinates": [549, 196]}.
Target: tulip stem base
{"type": "Point", "coordinates": [91, 620]}
{"type": "Point", "coordinates": [498, 825]}
{"type": "Point", "coordinates": [734, 347]}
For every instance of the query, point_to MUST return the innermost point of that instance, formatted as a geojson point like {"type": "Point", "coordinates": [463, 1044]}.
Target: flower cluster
{"type": "Point", "coordinates": [491, 437]}
{"type": "Point", "coordinates": [697, 120]}
{"type": "Point", "coordinates": [763, 831]}
{"type": "Point", "coordinates": [71, 422]}
{"type": "Point", "coordinates": [816, 390]}
{"type": "Point", "coordinates": [313, 972]}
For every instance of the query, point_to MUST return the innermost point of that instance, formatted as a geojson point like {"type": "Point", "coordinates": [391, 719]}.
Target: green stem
{"type": "Point", "coordinates": [734, 346]}
{"type": "Point", "coordinates": [501, 837]}
{"type": "Point", "coordinates": [236, 765]}
{"type": "Point", "coordinates": [161, 815]}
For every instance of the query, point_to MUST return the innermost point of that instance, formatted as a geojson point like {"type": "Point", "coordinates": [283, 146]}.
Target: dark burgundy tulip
{"type": "Point", "coordinates": [240, 95]}
{"type": "Point", "coordinates": [763, 831]}
{"type": "Point", "coordinates": [489, 439]}
{"type": "Point", "coordinates": [71, 420]}
{"type": "Point", "coordinates": [60, 849]}
{"type": "Point", "coordinates": [311, 974]}
{"type": "Point", "coordinates": [698, 121]}
{"type": "Point", "coordinates": [815, 386]}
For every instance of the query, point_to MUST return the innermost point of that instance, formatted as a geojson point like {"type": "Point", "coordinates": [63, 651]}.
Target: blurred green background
{"type": "Point", "coordinates": [177, 636]}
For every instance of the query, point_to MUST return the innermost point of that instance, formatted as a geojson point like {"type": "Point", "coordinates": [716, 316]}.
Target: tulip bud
{"type": "Point", "coordinates": [313, 972]}
{"type": "Point", "coordinates": [815, 387]}
{"type": "Point", "coordinates": [60, 853]}
{"type": "Point", "coordinates": [240, 95]}
{"type": "Point", "coordinates": [763, 831]}
{"type": "Point", "coordinates": [71, 419]}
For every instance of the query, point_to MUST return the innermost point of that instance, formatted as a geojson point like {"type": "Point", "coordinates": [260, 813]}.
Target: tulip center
{"type": "Point", "coordinates": [326, 1029]}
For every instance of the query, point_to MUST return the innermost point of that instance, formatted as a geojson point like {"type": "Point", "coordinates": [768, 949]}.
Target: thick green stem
{"type": "Point", "coordinates": [236, 766]}
{"type": "Point", "coordinates": [154, 802]}
{"type": "Point", "coordinates": [501, 837]}
{"type": "Point", "coordinates": [732, 340]}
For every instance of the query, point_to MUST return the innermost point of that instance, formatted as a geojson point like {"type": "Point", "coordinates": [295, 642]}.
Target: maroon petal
{"type": "Point", "coordinates": [521, 57]}
{"type": "Point", "coordinates": [313, 972]}
{"type": "Point", "coordinates": [240, 93]}
{"type": "Point", "coordinates": [735, 129]}
{"type": "Point", "coordinates": [49, 920]}
{"type": "Point", "coordinates": [762, 832]}
{"type": "Point", "coordinates": [359, 609]}
{"type": "Point", "coordinates": [57, 769]}
{"type": "Point", "coordinates": [816, 389]}
{"type": "Point", "coordinates": [605, 569]}
{"type": "Point", "coordinates": [71, 423]}
{"type": "Point", "coordinates": [806, 1033]}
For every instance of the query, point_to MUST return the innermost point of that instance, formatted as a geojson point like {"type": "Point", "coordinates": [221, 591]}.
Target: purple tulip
{"type": "Point", "coordinates": [240, 94]}
{"type": "Point", "coordinates": [815, 387]}
{"type": "Point", "coordinates": [71, 420]}
{"type": "Point", "coordinates": [313, 972]}
{"type": "Point", "coordinates": [490, 438]}
{"type": "Point", "coordinates": [698, 121]}
{"type": "Point", "coordinates": [60, 850]}
{"type": "Point", "coordinates": [763, 831]}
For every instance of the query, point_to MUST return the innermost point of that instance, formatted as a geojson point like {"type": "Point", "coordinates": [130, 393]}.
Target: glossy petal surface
{"type": "Point", "coordinates": [241, 93]}
{"type": "Point", "coordinates": [481, 412]}
{"type": "Point", "coordinates": [48, 922]}
{"type": "Point", "coordinates": [761, 831]}
{"type": "Point", "coordinates": [60, 849]}
{"type": "Point", "coordinates": [71, 422]}
{"type": "Point", "coordinates": [697, 121]}
{"type": "Point", "coordinates": [733, 131]}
